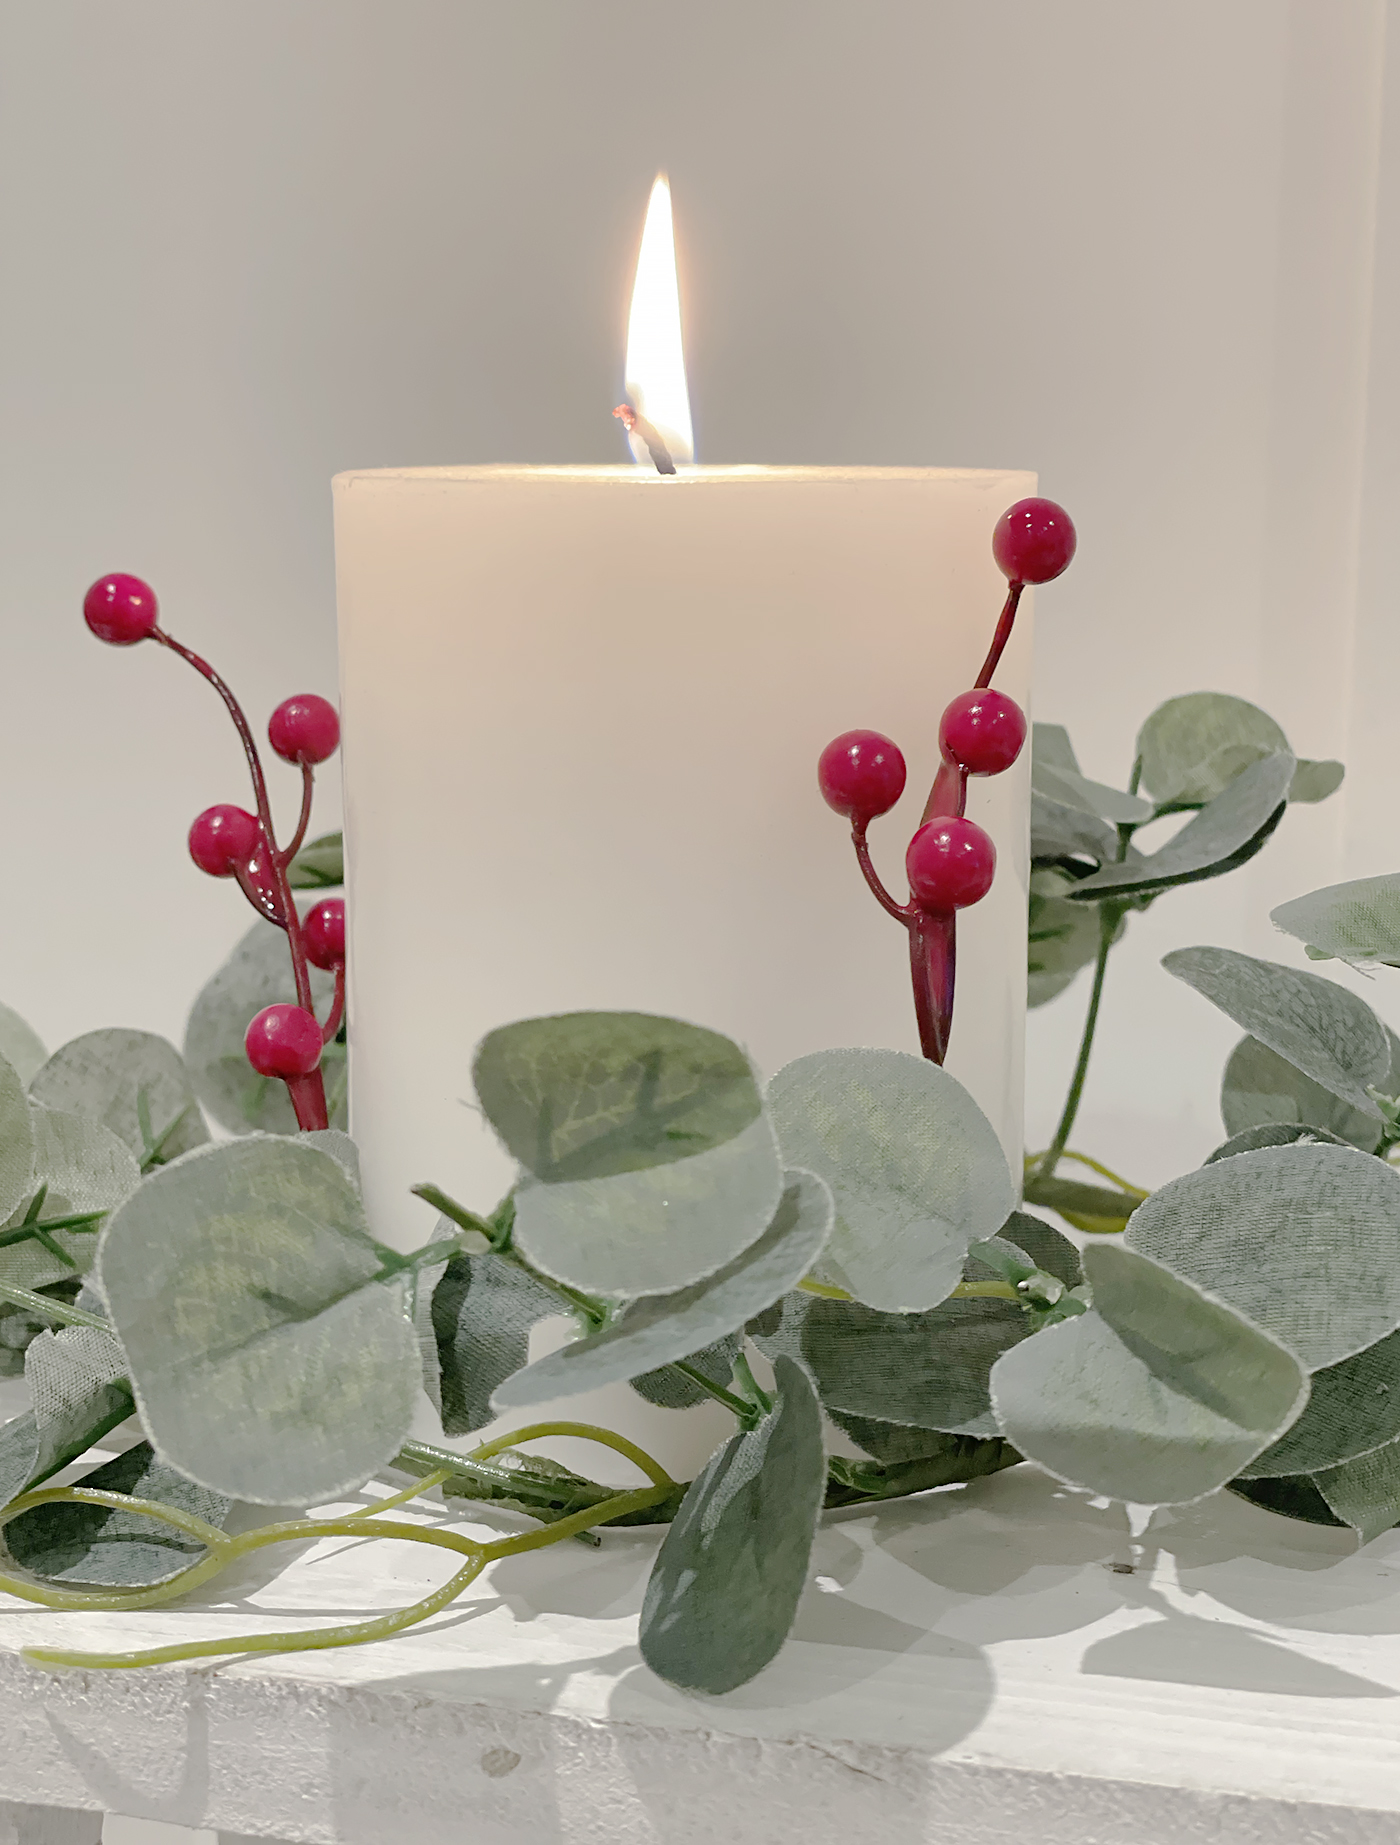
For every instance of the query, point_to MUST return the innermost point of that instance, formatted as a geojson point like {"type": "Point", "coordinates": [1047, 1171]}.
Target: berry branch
{"type": "Point", "coordinates": [951, 861]}
{"type": "Point", "coordinates": [284, 1041]}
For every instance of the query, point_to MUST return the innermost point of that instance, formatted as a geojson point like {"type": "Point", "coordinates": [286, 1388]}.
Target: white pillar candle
{"type": "Point", "coordinates": [582, 714]}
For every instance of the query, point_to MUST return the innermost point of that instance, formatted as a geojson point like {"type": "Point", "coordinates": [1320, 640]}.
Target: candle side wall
{"type": "Point", "coordinates": [582, 718]}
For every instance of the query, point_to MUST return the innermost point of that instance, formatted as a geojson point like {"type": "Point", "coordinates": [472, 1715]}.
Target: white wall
{"type": "Point", "coordinates": [1130, 245]}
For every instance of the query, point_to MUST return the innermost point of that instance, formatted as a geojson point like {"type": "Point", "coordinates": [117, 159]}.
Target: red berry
{"type": "Point", "coordinates": [120, 609]}
{"type": "Point", "coordinates": [1033, 541]}
{"type": "Point", "coordinates": [982, 731]}
{"type": "Point", "coordinates": [950, 864]}
{"type": "Point", "coordinates": [224, 837]}
{"type": "Point", "coordinates": [283, 1041]}
{"type": "Point", "coordinates": [304, 728]}
{"type": "Point", "coordinates": [324, 933]}
{"type": "Point", "coordinates": [861, 774]}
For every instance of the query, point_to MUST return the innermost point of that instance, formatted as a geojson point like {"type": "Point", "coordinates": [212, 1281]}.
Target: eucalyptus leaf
{"type": "Point", "coordinates": [1354, 1408]}
{"type": "Point", "coordinates": [482, 1311]}
{"type": "Point", "coordinates": [20, 1045]}
{"type": "Point", "coordinates": [82, 1168]}
{"type": "Point", "coordinates": [724, 1590]}
{"type": "Point", "coordinates": [1275, 1134]}
{"type": "Point", "coordinates": [1062, 937]}
{"type": "Point", "coordinates": [78, 1394]}
{"type": "Point", "coordinates": [927, 1370]}
{"type": "Point", "coordinates": [272, 1359]}
{"type": "Point", "coordinates": [113, 1548]}
{"type": "Point", "coordinates": [668, 1388]}
{"type": "Point", "coordinates": [112, 1077]}
{"type": "Point", "coordinates": [258, 973]}
{"type": "Point", "coordinates": [945, 1460]}
{"type": "Point", "coordinates": [1046, 1246]}
{"type": "Point", "coordinates": [16, 1143]}
{"type": "Point", "coordinates": [1294, 1497]}
{"type": "Point", "coordinates": [1315, 781]}
{"type": "Point", "coordinates": [649, 1161]}
{"type": "Point", "coordinates": [1071, 789]}
{"type": "Point", "coordinates": [1052, 749]}
{"type": "Point", "coordinates": [1225, 834]}
{"type": "Point", "coordinates": [320, 865]}
{"type": "Point", "coordinates": [1358, 921]}
{"type": "Point", "coordinates": [1261, 1090]}
{"type": "Point", "coordinates": [1078, 1198]}
{"type": "Point", "coordinates": [893, 1444]}
{"type": "Point", "coordinates": [661, 1328]}
{"type": "Point", "coordinates": [1066, 835]}
{"type": "Point", "coordinates": [915, 1168]}
{"type": "Point", "coordinates": [1158, 1395]}
{"type": "Point", "coordinates": [1192, 748]}
{"type": "Point", "coordinates": [1365, 1493]}
{"type": "Point", "coordinates": [1273, 1232]}
{"type": "Point", "coordinates": [1317, 1026]}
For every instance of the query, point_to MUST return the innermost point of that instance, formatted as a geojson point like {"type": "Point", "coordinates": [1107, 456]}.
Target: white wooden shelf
{"type": "Point", "coordinates": [972, 1667]}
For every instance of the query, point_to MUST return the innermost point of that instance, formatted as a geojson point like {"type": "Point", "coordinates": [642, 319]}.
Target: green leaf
{"type": "Point", "coordinates": [661, 1328]}
{"type": "Point", "coordinates": [104, 1075]}
{"type": "Point", "coordinates": [1315, 781]}
{"type": "Point", "coordinates": [1317, 1026]}
{"type": "Point", "coordinates": [893, 1444]}
{"type": "Point", "coordinates": [1062, 936]}
{"type": "Point", "coordinates": [1305, 1240]}
{"type": "Point", "coordinates": [111, 1548]}
{"type": "Point", "coordinates": [943, 1460]}
{"type": "Point", "coordinates": [1223, 835]}
{"type": "Point", "coordinates": [78, 1393]}
{"type": "Point", "coordinates": [84, 1168]}
{"type": "Point", "coordinates": [16, 1144]}
{"type": "Point", "coordinates": [1065, 835]}
{"type": "Point", "coordinates": [271, 1359]}
{"type": "Point", "coordinates": [320, 865]}
{"type": "Point", "coordinates": [1052, 749]}
{"type": "Point", "coordinates": [1358, 921]}
{"type": "Point", "coordinates": [1047, 1248]}
{"type": "Point", "coordinates": [1158, 1395]}
{"type": "Point", "coordinates": [1354, 1408]}
{"type": "Point", "coordinates": [1192, 748]}
{"type": "Point", "coordinates": [927, 1370]}
{"type": "Point", "coordinates": [915, 1168]}
{"type": "Point", "coordinates": [649, 1162]}
{"type": "Point", "coordinates": [1296, 1497]}
{"type": "Point", "coordinates": [20, 1046]}
{"type": "Point", "coordinates": [726, 1583]}
{"type": "Point", "coordinates": [668, 1388]}
{"type": "Point", "coordinates": [482, 1311]}
{"type": "Point", "coordinates": [1070, 789]}
{"type": "Point", "coordinates": [1365, 1493]}
{"type": "Point", "coordinates": [1262, 1090]}
{"type": "Point", "coordinates": [1275, 1134]}
{"type": "Point", "coordinates": [258, 973]}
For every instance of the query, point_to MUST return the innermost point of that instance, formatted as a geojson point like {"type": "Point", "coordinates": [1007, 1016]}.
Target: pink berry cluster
{"type": "Point", "coordinates": [951, 861]}
{"type": "Point", "coordinates": [284, 1041]}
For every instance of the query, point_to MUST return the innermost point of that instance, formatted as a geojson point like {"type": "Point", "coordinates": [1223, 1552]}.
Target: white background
{"type": "Point", "coordinates": [1134, 246]}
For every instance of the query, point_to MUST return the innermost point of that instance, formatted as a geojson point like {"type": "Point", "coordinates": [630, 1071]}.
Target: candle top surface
{"type": "Point", "coordinates": [628, 474]}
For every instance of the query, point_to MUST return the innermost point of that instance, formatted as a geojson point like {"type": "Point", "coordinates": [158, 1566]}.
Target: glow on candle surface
{"type": "Point", "coordinates": [583, 709]}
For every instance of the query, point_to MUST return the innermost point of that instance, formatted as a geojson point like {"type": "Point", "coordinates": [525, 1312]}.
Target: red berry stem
{"type": "Point", "coordinates": [948, 794]}
{"type": "Point", "coordinates": [1005, 623]}
{"type": "Point", "coordinates": [280, 889]}
{"type": "Point", "coordinates": [308, 1098]}
{"type": "Point", "coordinates": [902, 912]}
{"type": "Point", "coordinates": [933, 957]}
{"type": "Point", "coordinates": [337, 1011]}
{"type": "Point", "coordinates": [308, 789]}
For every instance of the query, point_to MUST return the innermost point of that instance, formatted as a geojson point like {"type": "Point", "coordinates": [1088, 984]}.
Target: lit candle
{"type": "Point", "coordinates": [582, 710]}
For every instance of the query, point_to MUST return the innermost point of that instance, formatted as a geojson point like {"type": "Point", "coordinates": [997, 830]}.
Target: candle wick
{"type": "Point", "coordinates": [648, 434]}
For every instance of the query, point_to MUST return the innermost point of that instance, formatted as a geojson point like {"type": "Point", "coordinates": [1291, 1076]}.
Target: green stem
{"type": "Point", "coordinates": [743, 1410]}
{"type": "Point", "coordinates": [1109, 917]}
{"type": "Point", "coordinates": [54, 1309]}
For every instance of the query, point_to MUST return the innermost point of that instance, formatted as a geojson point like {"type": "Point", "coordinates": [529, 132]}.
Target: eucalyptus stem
{"type": "Point", "coordinates": [1109, 917]}
{"type": "Point", "coordinates": [744, 1410]}
{"type": "Point", "coordinates": [43, 1305]}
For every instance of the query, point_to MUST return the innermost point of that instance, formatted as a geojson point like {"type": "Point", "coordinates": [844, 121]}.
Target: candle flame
{"type": "Point", "coordinates": [655, 374]}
